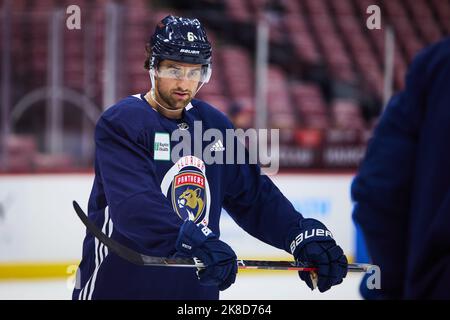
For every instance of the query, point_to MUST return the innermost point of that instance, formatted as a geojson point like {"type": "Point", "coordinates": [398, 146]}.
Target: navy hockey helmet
{"type": "Point", "coordinates": [180, 39]}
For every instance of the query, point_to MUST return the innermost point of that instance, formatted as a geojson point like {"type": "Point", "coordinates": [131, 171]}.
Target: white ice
{"type": "Point", "coordinates": [269, 286]}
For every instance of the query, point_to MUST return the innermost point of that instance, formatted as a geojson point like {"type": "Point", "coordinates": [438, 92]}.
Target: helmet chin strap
{"type": "Point", "coordinates": [199, 87]}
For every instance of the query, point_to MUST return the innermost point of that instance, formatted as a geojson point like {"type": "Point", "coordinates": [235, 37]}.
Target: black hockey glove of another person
{"type": "Point", "coordinates": [313, 243]}
{"type": "Point", "coordinates": [200, 242]}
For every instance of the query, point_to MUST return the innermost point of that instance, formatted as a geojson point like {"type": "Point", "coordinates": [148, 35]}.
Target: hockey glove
{"type": "Point", "coordinates": [312, 243]}
{"type": "Point", "coordinates": [220, 260]}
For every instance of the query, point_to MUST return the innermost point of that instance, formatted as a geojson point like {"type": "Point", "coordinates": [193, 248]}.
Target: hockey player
{"type": "Point", "coordinates": [160, 207]}
{"type": "Point", "coordinates": [402, 189]}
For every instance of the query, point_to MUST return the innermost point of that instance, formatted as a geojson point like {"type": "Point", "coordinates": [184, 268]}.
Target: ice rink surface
{"type": "Point", "coordinates": [274, 285]}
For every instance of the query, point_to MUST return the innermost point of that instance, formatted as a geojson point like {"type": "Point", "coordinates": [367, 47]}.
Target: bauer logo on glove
{"type": "Point", "coordinates": [309, 234]}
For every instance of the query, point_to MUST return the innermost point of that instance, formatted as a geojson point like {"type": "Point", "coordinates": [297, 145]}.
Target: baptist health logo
{"type": "Point", "coordinates": [161, 148]}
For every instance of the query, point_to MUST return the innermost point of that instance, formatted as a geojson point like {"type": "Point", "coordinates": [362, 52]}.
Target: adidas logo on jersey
{"type": "Point", "coordinates": [218, 146]}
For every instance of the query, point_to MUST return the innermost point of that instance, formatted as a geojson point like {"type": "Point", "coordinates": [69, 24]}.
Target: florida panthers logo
{"type": "Point", "coordinates": [188, 194]}
{"type": "Point", "coordinates": [191, 200]}
{"type": "Point", "coordinates": [186, 185]}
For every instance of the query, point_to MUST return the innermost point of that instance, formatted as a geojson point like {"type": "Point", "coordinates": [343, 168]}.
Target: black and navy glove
{"type": "Point", "coordinates": [220, 260]}
{"type": "Point", "coordinates": [313, 243]}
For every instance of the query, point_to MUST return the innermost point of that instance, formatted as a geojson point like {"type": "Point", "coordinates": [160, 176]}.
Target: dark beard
{"type": "Point", "coordinates": [172, 103]}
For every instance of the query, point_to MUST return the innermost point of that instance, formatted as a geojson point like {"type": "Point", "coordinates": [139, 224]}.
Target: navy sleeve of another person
{"type": "Point", "coordinates": [382, 189]}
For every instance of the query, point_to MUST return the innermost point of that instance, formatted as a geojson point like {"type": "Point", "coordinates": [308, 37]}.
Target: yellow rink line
{"type": "Point", "coordinates": [37, 270]}
{"type": "Point", "coordinates": [58, 270]}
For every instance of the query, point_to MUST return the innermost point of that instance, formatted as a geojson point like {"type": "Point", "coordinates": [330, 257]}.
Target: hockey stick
{"type": "Point", "coordinates": [145, 260]}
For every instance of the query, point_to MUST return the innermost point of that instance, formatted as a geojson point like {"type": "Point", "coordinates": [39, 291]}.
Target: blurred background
{"type": "Point", "coordinates": [312, 68]}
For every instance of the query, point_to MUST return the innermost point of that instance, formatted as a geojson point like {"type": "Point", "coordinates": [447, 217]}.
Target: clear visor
{"type": "Point", "coordinates": [179, 72]}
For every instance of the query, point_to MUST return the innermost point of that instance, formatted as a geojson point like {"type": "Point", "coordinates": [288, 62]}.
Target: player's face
{"type": "Point", "coordinates": [177, 83]}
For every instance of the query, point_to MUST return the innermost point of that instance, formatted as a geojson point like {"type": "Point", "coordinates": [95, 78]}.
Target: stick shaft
{"type": "Point", "coordinates": [145, 260]}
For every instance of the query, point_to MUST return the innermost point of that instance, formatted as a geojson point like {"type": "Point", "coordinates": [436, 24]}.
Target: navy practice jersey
{"type": "Point", "coordinates": [140, 198]}
{"type": "Point", "coordinates": [402, 190]}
